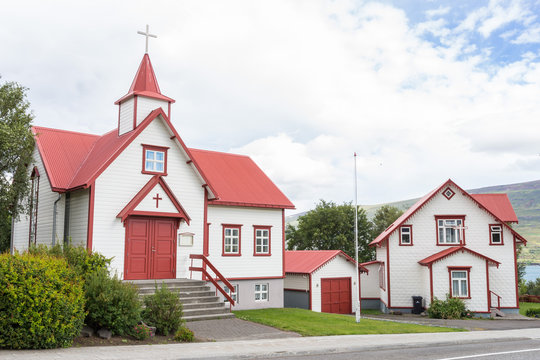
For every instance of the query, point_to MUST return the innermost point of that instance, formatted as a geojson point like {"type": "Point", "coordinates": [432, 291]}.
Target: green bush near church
{"type": "Point", "coordinates": [41, 302]}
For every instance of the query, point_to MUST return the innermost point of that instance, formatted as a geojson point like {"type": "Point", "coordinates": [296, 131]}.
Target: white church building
{"type": "Point", "coordinates": [139, 195]}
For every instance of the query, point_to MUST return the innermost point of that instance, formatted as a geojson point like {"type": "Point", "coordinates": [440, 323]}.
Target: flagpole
{"type": "Point", "coordinates": [357, 290]}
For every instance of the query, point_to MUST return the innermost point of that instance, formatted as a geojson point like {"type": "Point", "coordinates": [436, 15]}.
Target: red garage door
{"type": "Point", "coordinates": [150, 248]}
{"type": "Point", "coordinates": [336, 295]}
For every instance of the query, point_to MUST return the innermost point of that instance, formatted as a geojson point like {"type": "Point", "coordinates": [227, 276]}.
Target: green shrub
{"type": "Point", "coordinates": [83, 261]}
{"type": "Point", "coordinates": [111, 303]}
{"type": "Point", "coordinates": [141, 332]}
{"type": "Point", "coordinates": [41, 302]}
{"type": "Point", "coordinates": [184, 335]}
{"type": "Point", "coordinates": [534, 312]}
{"type": "Point", "coordinates": [163, 310]}
{"type": "Point", "coordinates": [451, 308]}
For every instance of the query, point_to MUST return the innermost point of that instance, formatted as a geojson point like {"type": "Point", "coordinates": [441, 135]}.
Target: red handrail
{"type": "Point", "coordinates": [211, 278]}
{"type": "Point", "coordinates": [498, 298]}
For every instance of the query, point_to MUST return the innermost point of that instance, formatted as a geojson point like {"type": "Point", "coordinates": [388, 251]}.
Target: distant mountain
{"type": "Point", "coordinates": [525, 198]}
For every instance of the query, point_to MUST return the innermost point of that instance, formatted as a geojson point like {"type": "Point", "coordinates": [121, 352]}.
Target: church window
{"type": "Point", "coordinates": [34, 194]}
{"type": "Point", "coordinates": [154, 160]}
{"type": "Point", "coordinates": [231, 240]}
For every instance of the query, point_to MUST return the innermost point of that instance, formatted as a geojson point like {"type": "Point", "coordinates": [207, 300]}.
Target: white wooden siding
{"type": "Point", "coordinates": [246, 265]}
{"type": "Point", "coordinates": [405, 272]}
{"type": "Point", "coordinates": [78, 218]}
{"type": "Point", "coordinates": [336, 268]}
{"type": "Point", "coordinates": [370, 282]}
{"type": "Point", "coordinates": [126, 116]}
{"type": "Point", "coordinates": [45, 212]}
{"type": "Point", "coordinates": [149, 203]}
{"type": "Point", "coordinates": [123, 179]}
{"type": "Point", "coordinates": [146, 105]}
{"type": "Point", "coordinates": [381, 256]}
{"type": "Point", "coordinates": [297, 281]}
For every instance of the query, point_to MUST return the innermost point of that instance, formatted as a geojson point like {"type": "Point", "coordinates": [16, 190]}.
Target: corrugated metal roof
{"type": "Point", "coordinates": [307, 261]}
{"type": "Point", "coordinates": [494, 205]}
{"type": "Point", "coordinates": [239, 181]}
{"type": "Point", "coordinates": [452, 250]}
{"type": "Point", "coordinates": [498, 204]}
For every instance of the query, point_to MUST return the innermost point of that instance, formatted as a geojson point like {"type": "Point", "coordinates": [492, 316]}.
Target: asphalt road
{"type": "Point", "coordinates": [485, 350]}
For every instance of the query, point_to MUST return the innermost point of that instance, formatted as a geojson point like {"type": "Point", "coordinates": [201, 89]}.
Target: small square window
{"type": "Point", "coordinates": [233, 295]}
{"type": "Point", "coordinates": [154, 160]}
{"type": "Point", "coordinates": [261, 292]}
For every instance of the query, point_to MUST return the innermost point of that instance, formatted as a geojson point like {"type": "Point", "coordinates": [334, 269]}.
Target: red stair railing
{"type": "Point", "coordinates": [217, 274]}
{"type": "Point", "coordinates": [491, 293]}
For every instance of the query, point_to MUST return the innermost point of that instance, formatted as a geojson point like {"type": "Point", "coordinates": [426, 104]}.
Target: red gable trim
{"type": "Point", "coordinates": [129, 209]}
{"type": "Point", "coordinates": [450, 251]}
{"type": "Point", "coordinates": [420, 203]}
{"type": "Point", "coordinates": [371, 263]}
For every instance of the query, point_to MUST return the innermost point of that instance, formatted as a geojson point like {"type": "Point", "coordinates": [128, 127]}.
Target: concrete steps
{"type": "Point", "coordinates": [198, 299]}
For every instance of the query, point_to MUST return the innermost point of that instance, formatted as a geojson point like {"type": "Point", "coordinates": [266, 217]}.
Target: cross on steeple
{"type": "Point", "coordinates": [147, 34]}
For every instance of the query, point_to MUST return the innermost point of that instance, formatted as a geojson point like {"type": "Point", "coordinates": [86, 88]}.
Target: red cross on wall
{"type": "Point", "coordinates": [157, 198]}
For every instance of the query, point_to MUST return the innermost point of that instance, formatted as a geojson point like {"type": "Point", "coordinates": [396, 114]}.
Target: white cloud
{"type": "Point", "coordinates": [299, 86]}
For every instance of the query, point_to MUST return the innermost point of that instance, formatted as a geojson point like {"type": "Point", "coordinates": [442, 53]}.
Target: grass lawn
{"type": "Point", "coordinates": [524, 306]}
{"type": "Point", "coordinates": [309, 323]}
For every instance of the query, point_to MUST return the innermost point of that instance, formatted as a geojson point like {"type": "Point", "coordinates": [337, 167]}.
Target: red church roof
{"type": "Point", "coordinates": [497, 205]}
{"type": "Point", "coordinates": [145, 83]}
{"type": "Point", "coordinates": [239, 181]}
{"type": "Point", "coordinates": [307, 261]}
{"type": "Point", "coordinates": [73, 160]}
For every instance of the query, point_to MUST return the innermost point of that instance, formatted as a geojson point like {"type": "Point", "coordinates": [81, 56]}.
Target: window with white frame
{"type": "Point", "coordinates": [154, 160]}
{"type": "Point", "coordinates": [233, 295]}
{"type": "Point", "coordinates": [231, 239]}
{"type": "Point", "coordinates": [496, 237]}
{"type": "Point", "coordinates": [405, 232]}
{"type": "Point", "coordinates": [262, 240]}
{"type": "Point", "coordinates": [460, 283]}
{"type": "Point", "coordinates": [449, 231]}
{"type": "Point", "coordinates": [261, 292]}
{"type": "Point", "coordinates": [382, 277]}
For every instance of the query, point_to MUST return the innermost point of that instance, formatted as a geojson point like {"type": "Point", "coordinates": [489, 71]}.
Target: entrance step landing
{"type": "Point", "coordinates": [199, 301]}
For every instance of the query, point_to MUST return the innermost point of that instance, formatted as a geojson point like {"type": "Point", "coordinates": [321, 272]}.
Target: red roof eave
{"type": "Point", "coordinates": [450, 251]}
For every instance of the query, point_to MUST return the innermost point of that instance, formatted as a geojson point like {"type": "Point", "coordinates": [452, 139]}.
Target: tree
{"type": "Point", "coordinates": [16, 146]}
{"type": "Point", "coordinates": [331, 227]}
{"type": "Point", "coordinates": [384, 217]}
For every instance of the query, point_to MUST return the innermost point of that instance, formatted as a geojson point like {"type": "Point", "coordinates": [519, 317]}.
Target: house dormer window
{"type": "Point", "coordinates": [154, 160]}
{"type": "Point", "coordinates": [450, 230]}
{"type": "Point", "coordinates": [495, 234]}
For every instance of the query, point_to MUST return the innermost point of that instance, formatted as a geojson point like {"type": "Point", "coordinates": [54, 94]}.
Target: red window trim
{"type": "Point", "coordinates": [448, 217]}
{"type": "Point", "coordinates": [231, 226]}
{"type": "Point", "coordinates": [460, 268]}
{"type": "Point", "coordinates": [491, 239]}
{"type": "Point", "coordinates": [262, 227]}
{"type": "Point", "coordinates": [382, 276]}
{"type": "Point", "coordinates": [410, 235]}
{"type": "Point", "coordinates": [154, 148]}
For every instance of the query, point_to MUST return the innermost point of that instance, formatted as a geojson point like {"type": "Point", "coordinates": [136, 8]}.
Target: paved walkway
{"type": "Point", "coordinates": [235, 329]}
{"type": "Point", "coordinates": [269, 347]}
{"type": "Point", "coordinates": [513, 321]}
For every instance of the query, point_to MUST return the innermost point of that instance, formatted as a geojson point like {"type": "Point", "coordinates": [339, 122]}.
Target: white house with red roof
{"type": "Point", "coordinates": [449, 242]}
{"type": "Point", "coordinates": [321, 280]}
{"type": "Point", "coordinates": [161, 210]}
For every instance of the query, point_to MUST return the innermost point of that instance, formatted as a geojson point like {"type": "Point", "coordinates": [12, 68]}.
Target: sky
{"type": "Point", "coordinates": [422, 91]}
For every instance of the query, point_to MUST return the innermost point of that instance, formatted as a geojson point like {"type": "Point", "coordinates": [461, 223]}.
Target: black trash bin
{"type": "Point", "coordinates": [417, 305]}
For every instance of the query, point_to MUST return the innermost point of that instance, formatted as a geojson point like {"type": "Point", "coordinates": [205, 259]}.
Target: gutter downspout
{"type": "Point", "coordinates": [54, 219]}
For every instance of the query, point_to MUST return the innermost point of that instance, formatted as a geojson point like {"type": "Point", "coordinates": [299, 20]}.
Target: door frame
{"type": "Point", "coordinates": [150, 265]}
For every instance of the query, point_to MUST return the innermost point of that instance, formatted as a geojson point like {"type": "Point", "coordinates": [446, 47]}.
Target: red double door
{"type": "Point", "coordinates": [150, 248]}
{"type": "Point", "coordinates": [336, 295]}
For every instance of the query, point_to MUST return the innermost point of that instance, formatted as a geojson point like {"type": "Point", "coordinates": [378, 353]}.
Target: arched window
{"type": "Point", "coordinates": [34, 195]}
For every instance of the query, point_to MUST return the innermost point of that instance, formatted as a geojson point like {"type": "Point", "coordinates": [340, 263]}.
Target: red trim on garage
{"type": "Point", "coordinates": [90, 230]}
